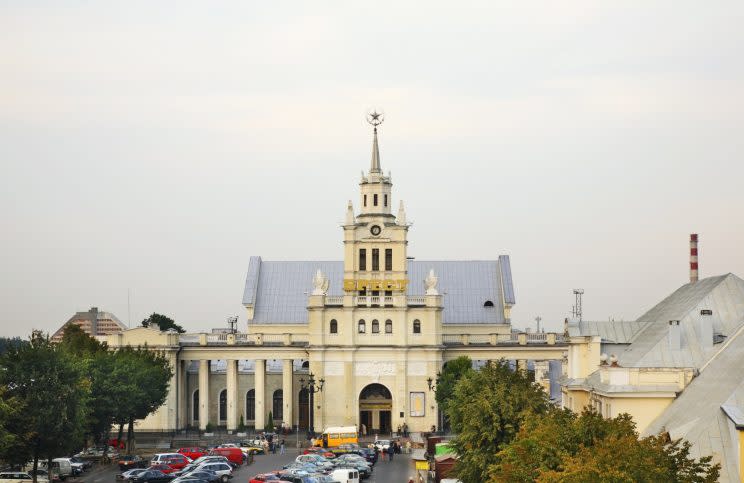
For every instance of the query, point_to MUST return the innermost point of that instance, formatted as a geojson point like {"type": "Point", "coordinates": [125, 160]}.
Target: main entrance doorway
{"type": "Point", "coordinates": [375, 409]}
{"type": "Point", "coordinates": [304, 407]}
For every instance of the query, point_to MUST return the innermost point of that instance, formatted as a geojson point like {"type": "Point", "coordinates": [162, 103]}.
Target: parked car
{"type": "Point", "coordinates": [314, 459]}
{"type": "Point", "coordinates": [15, 477]}
{"type": "Point", "coordinates": [345, 475]}
{"type": "Point", "coordinates": [83, 464]}
{"type": "Point", "coordinates": [42, 474]}
{"type": "Point", "coordinates": [162, 467]}
{"type": "Point", "coordinates": [129, 474]}
{"type": "Point", "coordinates": [174, 460]}
{"type": "Point", "coordinates": [223, 470]}
{"type": "Point", "coordinates": [260, 478]}
{"type": "Point", "coordinates": [152, 476]}
{"type": "Point", "coordinates": [248, 448]}
{"type": "Point", "coordinates": [202, 474]}
{"type": "Point", "coordinates": [193, 452]}
{"type": "Point", "coordinates": [233, 454]}
{"type": "Point", "coordinates": [128, 462]}
{"type": "Point", "coordinates": [382, 444]}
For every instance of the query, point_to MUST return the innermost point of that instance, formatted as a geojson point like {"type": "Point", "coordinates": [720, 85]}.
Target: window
{"type": "Point", "coordinates": [334, 327]}
{"type": "Point", "coordinates": [374, 199]}
{"type": "Point", "coordinates": [385, 200]}
{"type": "Point", "coordinates": [277, 405]}
{"type": "Point", "coordinates": [250, 405]}
{"type": "Point", "coordinates": [375, 259]}
{"type": "Point", "coordinates": [388, 326]}
{"type": "Point", "coordinates": [488, 304]}
{"type": "Point", "coordinates": [375, 326]}
{"type": "Point", "coordinates": [365, 200]}
{"type": "Point", "coordinates": [362, 259]}
{"type": "Point", "coordinates": [195, 406]}
{"type": "Point", "coordinates": [223, 405]}
{"type": "Point", "coordinates": [388, 259]}
{"type": "Point", "coordinates": [362, 326]}
{"type": "Point", "coordinates": [416, 326]}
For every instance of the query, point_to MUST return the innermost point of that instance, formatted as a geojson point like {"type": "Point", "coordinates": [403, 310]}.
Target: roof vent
{"type": "Point", "coordinates": [675, 342]}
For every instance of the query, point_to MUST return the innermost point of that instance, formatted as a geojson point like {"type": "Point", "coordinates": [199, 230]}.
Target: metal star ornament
{"type": "Point", "coordinates": [375, 118]}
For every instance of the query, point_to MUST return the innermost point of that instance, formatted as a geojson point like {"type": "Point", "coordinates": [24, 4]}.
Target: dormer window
{"type": "Point", "coordinates": [488, 304]}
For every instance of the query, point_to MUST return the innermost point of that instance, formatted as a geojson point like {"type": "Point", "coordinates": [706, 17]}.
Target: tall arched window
{"type": "Point", "coordinates": [195, 406]}
{"type": "Point", "coordinates": [417, 326]}
{"type": "Point", "coordinates": [278, 405]}
{"type": "Point", "coordinates": [223, 405]}
{"type": "Point", "coordinates": [388, 326]}
{"type": "Point", "coordinates": [362, 326]}
{"type": "Point", "coordinates": [334, 326]}
{"type": "Point", "coordinates": [250, 405]}
{"type": "Point", "coordinates": [375, 326]}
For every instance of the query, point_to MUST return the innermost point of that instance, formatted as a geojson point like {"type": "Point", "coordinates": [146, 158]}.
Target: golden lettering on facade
{"type": "Point", "coordinates": [352, 285]}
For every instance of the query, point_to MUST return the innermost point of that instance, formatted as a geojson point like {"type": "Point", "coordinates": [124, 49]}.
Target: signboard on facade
{"type": "Point", "coordinates": [418, 404]}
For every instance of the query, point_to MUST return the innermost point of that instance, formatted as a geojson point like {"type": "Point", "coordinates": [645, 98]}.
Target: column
{"type": "Point", "coordinates": [232, 394]}
{"type": "Point", "coordinates": [260, 381]}
{"type": "Point", "coordinates": [287, 392]}
{"type": "Point", "coordinates": [183, 399]}
{"type": "Point", "coordinates": [203, 394]}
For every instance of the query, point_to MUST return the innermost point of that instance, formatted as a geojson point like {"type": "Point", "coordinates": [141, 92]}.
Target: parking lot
{"type": "Point", "coordinates": [398, 470]}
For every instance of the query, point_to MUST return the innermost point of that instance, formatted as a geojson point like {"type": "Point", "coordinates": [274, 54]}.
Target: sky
{"type": "Point", "coordinates": [148, 149]}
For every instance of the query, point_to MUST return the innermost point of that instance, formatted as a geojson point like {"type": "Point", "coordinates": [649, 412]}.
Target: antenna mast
{"type": "Point", "coordinates": [577, 309]}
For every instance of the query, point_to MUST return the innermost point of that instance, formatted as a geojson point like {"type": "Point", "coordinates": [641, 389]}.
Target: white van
{"type": "Point", "coordinates": [345, 475]}
{"type": "Point", "coordinates": [63, 467]}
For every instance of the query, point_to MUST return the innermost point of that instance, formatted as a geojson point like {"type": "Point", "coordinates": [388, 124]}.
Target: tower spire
{"type": "Point", "coordinates": [375, 119]}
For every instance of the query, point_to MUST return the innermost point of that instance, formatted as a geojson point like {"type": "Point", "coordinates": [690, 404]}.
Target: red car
{"type": "Point", "coordinates": [320, 451]}
{"type": "Point", "coordinates": [174, 460]}
{"type": "Point", "coordinates": [233, 455]}
{"type": "Point", "coordinates": [193, 452]}
{"type": "Point", "coordinates": [272, 477]}
{"type": "Point", "coordinates": [164, 468]}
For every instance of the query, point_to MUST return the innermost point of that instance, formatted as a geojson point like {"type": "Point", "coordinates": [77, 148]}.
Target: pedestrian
{"type": "Point", "coordinates": [281, 446]}
{"type": "Point", "coordinates": [399, 430]}
{"type": "Point", "coordinates": [364, 429]}
{"type": "Point", "coordinates": [391, 451]}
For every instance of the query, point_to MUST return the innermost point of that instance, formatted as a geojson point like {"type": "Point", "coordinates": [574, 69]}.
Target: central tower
{"type": "Point", "coordinates": [375, 241]}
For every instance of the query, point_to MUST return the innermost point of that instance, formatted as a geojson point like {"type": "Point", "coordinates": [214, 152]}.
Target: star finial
{"type": "Point", "coordinates": [375, 118]}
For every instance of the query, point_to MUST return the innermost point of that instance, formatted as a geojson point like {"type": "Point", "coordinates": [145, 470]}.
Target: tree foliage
{"type": "Point", "coordinates": [48, 383]}
{"type": "Point", "coordinates": [487, 410]}
{"type": "Point", "coordinates": [7, 343]}
{"type": "Point", "coordinates": [163, 322]}
{"type": "Point", "coordinates": [452, 372]}
{"type": "Point", "coordinates": [561, 446]}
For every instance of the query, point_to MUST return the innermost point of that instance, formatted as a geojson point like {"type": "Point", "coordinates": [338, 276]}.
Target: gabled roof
{"type": "Point", "coordinates": [698, 413]}
{"type": "Point", "coordinates": [278, 289]}
{"type": "Point", "coordinates": [649, 347]}
{"type": "Point", "coordinates": [611, 331]}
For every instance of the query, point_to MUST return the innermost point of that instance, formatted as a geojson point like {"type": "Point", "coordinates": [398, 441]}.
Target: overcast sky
{"type": "Point", "coordinates": [153, 147]}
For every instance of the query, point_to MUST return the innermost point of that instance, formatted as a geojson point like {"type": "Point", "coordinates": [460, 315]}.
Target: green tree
{"type": "Point", "coordinates": [163, 322]}
{"type": "Point", "coordinates": [79, 343]}
{"type": "Point", "coordinates": [562, 446]}
{"type": "Point", "coordinates": [270, 423]}
{"type": "Point", "coordinates": [486, 410]}
{"type": "Point", "coordinates": [452, 372]}
{"type": "Point", "coordinates": [48, 383]}
{"type": "Point", "coordinates": [6, 343]}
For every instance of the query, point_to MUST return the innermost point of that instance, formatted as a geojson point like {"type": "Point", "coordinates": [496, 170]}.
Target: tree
{"type": "Point", "coordinates": [163, 322]}
{"type": "Point", "coordinates": [486, 410]}
{"type": "Point", "coordinates": [7, 343]}
{"type": "Point", "coordinates": [48, 383]}
{"type": "Point", "coordinates": [562, 446]}
{"type": "Point", "coordinates": [79, 343]}
{"type": "Point", "coordinates": [270, 423]}
{"type": "Point", "coordinates": [452, 372]}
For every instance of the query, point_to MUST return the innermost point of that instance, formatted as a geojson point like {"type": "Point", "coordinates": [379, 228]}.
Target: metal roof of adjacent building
{"type": "Point", "coordinates": [611, 331]}
{"type": "Point", "coordinates": [278, 290]}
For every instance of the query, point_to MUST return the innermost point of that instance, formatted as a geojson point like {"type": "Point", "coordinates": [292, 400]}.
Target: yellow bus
{"type": "Point", "coordinates": [337, 435]}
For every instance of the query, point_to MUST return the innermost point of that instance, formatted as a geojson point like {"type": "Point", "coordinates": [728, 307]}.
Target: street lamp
{"type": "Point", "coordinates": [433, 388]}
{"type": "Point", "coordinates": [312, 388]}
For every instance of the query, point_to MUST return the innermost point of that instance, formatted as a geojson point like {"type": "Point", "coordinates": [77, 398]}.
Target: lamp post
{"type": "Point", "coordinates": [433, 388]}
{"type": "Point", "coordinates": [312, 388]}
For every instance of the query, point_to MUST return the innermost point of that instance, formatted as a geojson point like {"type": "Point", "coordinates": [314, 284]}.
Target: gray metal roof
{"type": "Point", "coordinates": [698, 413]}
{"type": "Point", "coordinates": [723, 294]}
{"type": "Point", "coordinates": [613, 331]}
{"type": "Point", "coordinates": [278, 289]}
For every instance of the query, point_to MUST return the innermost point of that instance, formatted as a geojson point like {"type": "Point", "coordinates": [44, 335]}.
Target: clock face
{"type": "Point", "coordinates": [375, 230]}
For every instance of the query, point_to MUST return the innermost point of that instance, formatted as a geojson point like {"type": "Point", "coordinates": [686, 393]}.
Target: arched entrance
{"type": "Point", "coordinates": [376, 409]}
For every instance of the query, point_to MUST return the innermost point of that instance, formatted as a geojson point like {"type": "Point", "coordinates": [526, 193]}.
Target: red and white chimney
{"type": "Point", "coordinates": [693, 257]}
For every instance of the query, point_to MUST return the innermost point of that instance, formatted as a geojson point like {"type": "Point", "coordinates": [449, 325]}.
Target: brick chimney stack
{"type": "Point", "coordinates": [693, 258]}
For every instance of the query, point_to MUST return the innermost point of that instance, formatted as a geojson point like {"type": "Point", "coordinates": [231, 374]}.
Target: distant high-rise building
{"type": "Point", "coordinates": [93, 323]}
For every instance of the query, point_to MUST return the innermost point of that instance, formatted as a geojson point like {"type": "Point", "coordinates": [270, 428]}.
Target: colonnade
{"type": "Point", "coordinates": [233, 407]}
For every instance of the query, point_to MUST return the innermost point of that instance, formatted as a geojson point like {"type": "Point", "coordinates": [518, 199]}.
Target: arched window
{"type": "Point", "coordinates": [375, 326]}
{"type": "Point", "coordinates": [334, 327]}
{"type": "Point", "coordinates": [278, 405]}
{"type": "Point", "coordinates": [250, 405]}
{"type": "Point", "coordinates": [488, 304]}
{"type": "Point", "coordinates": [195, 406]}
{"type": "Point", "coordinates": [417, 326]}
{"type": "Point", "coordinates": [306, 365]}
{"type": "Point", "coordinates": [362, 326]}
{"type": "Point", "coordinates": [388, 326]}
{"type": "Point", "coordinates": [223, 405]}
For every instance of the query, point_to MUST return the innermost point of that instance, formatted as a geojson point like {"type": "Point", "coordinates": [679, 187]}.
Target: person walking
{"type": "Point", "coordinates": [391, 451]}
{"type": "Point", "coordinates": [281, 446]}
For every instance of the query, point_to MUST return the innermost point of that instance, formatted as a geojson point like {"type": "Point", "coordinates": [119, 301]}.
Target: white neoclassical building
{"type": "Point", "coordinates": [372, 329]}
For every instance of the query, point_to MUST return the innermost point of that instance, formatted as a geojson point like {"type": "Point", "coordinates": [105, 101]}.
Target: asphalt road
{"type": "Point", "coordinates": [396, 471]}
